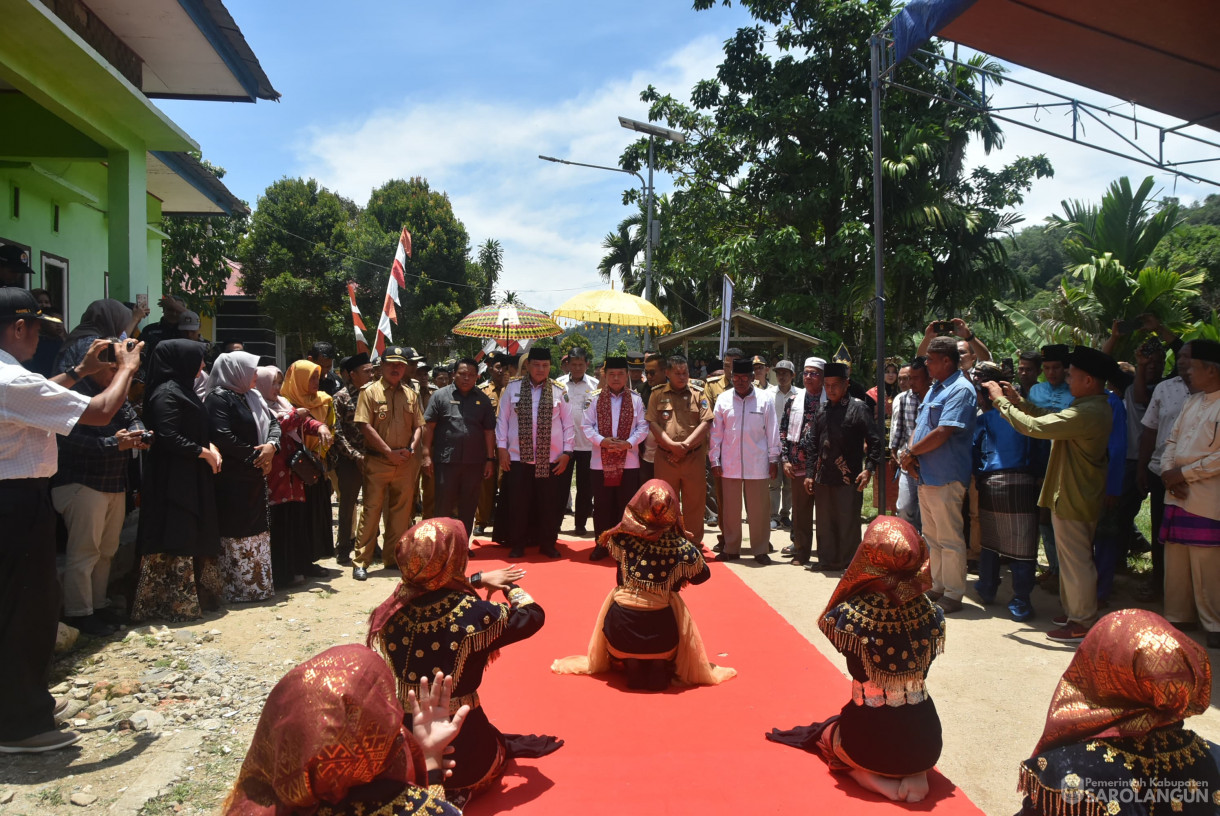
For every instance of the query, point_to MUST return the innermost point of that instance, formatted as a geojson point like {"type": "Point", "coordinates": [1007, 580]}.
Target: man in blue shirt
{"type": "Point", "coordinates": [940, 456]}
{"type": "Point", "coordinates": [1009, 484]}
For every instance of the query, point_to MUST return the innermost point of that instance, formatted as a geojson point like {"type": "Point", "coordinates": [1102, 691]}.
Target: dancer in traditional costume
{"type": "Point", "coordinates": [434, 622]}
{"type": "Point", "coordinates": [1114, 744]}
{"type": "Point", "coordinates": [332, 740]}
{"type": "Point", "coordinates": [888, 736]}
{"type": "Point", "coordinates": [643, 624]}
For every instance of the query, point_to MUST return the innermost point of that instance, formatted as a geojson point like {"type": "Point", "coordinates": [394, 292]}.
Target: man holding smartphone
{"type": "Point", "coordinates": [970, 349]}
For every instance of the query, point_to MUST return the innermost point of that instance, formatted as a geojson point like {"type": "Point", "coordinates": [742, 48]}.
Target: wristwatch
{"type": "Point", "coordinates": [73, 373]}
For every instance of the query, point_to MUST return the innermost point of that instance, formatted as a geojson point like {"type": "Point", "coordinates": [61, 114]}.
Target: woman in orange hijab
{"type": "Point", "coordinates": [643, 626]}
{"type": "Point", "coordinates": [300, 388]}
{"type": "Point", "coordinates": [436, 621]}
{"type": "Point", "coordinates": [887, 737]}
{"type": "Point", "coordinates": [332, 740]}
{"type": "Point", "coordinates": [1113, 744]}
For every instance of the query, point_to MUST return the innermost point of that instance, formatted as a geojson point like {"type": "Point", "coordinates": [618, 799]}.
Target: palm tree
{"type": "Point", "coordinates": [1108, 277]}
{"type": "Point", "coordinates": [491, 262]}
{"type": "Point", "coordinates": [626, 244]}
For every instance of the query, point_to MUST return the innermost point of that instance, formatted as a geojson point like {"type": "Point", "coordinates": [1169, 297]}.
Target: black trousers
{"type": "Point", "coordinates": [610, 502]}
{"type": "Point", "coordinates": [582, 507]}
{"type": "Point", "coordinates": [350, 478]}
{"type": "Point", "coordinates": [530, 504]}
{"type": "Point", "coordinates": [29, 607]}
{"type": "Point", "coordinates": [647, 471]}
{"type": "Point", "coordinates": [458, 487]}
{"type": "Point", "coordinates": [838, 529]}
{"type": "Point", "coordinates": [1156, 495]}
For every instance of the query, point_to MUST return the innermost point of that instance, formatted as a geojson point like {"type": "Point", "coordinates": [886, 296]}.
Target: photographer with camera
{"type": "Point", "coordinates": [970, 349]}
{"type": "Point", "coordinates": [90, 491]}
{"type": "Point", "coordinates": [34, 411]}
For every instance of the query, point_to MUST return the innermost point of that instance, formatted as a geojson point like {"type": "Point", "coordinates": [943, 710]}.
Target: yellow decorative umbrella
{"type": "Point", "coordinates": [614, 308]}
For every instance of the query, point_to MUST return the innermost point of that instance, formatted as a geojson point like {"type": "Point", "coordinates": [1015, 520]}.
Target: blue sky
{"type": "Point", "coordinates": [467, 94]}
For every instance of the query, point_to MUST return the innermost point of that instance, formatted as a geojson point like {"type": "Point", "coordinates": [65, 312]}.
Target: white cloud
{"type": "Point", "coordinates": [550, 218]}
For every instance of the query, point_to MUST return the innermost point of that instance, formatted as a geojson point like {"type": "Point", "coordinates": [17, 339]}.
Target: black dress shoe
{"type": "Point", "coordinates": [344, 559]}
{"type": "Point", "coordinates": [724, 556]}
{"type": "Point", "coordinates": [550, 551]}
{"type": "Point", "coordinates": [763, 558]}
{"type": "Point", "coordinates": [516, 552]}
{"type": "Point", "coordinates": [359, 573]}
{"type": "Point", "coordinates": [112, 615]}
{"type": "Point", "coordinates": [788, 552]}
{"type": "Point", "coordinates": [816, 566]}
{"type": "Point", "coordinates": [316, 571]}
{"type": "Point", "coordinates": [599, 552]}
{"type": "Point", "coordinates": [718, 548]}
{"type": "Point", "coordinates": [90, 624]}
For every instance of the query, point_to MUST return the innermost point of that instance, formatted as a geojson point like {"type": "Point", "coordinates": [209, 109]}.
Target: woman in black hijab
{"type": "Point", "coordinates": [179, 540]}
{"type": "Point", "coordinates": [102, 318]}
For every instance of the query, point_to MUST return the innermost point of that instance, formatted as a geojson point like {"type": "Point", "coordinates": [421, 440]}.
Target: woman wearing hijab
{"type": "Point", "coordinates": [300, 388]}
{"type": "Point", "coordinates": [247, 436]}
{"type": "Point", "coordinates": [643, 625]}
{"type": "Point", "coordinates": [179, 540]}
{"type": "Point", "coordinates": [289, 518]}
{"type": "Point", "coordinates": [102, 318]}
{"type": "Point", "coordinates": [436, 621]}
{"type": "Point", "coordinates": [887, 737]}
{"type": "Point", "coordinates": [1113, 744]}
{"type": "Point", "coordinates": [332, 740]}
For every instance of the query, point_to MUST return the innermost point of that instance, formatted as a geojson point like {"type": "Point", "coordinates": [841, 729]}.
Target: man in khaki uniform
{"type": "Point", "coordinates": [389, 415]}
{"type": "Point", "coordinates": [681, 417]}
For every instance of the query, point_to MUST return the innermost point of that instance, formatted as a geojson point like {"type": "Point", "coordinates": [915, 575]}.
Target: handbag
{"type": "Point", "coordinates": [306, 466]}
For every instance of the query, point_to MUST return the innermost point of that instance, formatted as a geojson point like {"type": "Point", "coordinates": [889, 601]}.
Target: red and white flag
{"type": "Point", "coordinates": [397, 279]}
{"type": "Point", "coordinates": [357, 320]}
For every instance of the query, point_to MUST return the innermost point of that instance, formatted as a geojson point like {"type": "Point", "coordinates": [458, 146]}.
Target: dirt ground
{"type": "Point", "coordinates": [167, 712]}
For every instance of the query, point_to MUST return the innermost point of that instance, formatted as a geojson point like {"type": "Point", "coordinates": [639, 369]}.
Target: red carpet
{"type": "Point", "coordinates": [691, 750]}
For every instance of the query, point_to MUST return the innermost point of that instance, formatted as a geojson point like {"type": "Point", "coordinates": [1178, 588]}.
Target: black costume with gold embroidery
{"type": "Point", "coordinates": [459, 634]}
{"type": "Point", "coordinates": [1167, 771]}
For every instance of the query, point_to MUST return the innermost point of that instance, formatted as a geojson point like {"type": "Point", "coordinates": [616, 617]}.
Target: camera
{"type": "Point", "coordinates": [943, 327]}
{"type": "Point", "coordinates": [147, 437]}
{"type": "Point", "coordinates": [107, 354]}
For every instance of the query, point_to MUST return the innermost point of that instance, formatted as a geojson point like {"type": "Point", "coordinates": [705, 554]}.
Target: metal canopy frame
{"type": "Point", "coordinates": [1081, 116]}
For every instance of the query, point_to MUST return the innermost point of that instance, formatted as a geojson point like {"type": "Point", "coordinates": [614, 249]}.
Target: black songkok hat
{"type": "Point", "coordinates": [1093, 362]}
{"type": "Point", "coordinates": [1206, 350]}
{"type": "Point", "coordinates": [540, 353]}
{"type": "Point", "coordinates": [836, 370]}
{"type": "Point", "coordinates": [743, 367]}
{"type": "Point", "coordinates": [616, 362]}
{"type": "Point", "coordinates": [354, 362]}
{"type": "Point", "coordinates": [1057, 353]}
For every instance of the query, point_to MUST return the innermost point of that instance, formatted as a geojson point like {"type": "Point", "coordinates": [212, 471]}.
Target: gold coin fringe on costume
{"type": "Point", "coordinates": [1051, 801]}
{"type": "Point", "coordinates": [873, 651]}
{"type": "Point", "coordinates": [680, 570]}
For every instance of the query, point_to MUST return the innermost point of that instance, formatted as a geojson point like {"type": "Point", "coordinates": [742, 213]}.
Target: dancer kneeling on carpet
{"type": "Point", "coordinates": [888, 736]}
{"type": "Point", "coordinates": [435, 621]}
{"type": "Point", "coordinates": [333, 739]}
{"type": "Point", "coordinates": [643, 623]}
{"type": "Point", "coordinates": [1114, 741]}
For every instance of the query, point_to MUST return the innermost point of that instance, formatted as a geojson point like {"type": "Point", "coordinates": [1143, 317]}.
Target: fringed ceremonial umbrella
{"type": "Point", "coordinates": [508, 321]}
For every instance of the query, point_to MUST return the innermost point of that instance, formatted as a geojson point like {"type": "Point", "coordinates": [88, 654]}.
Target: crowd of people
{"type": "Point", "coordinates": [236, 463]}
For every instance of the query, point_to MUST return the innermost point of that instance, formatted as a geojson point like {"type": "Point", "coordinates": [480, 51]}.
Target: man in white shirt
{"type": "Point", "coordinates": [781, 485]}
{"type": "Point", "coordinates": [1190, 470]}
{"type": "Point", "coordinates": [744, 454]}
{"type": "Point", "coordinates": [580, 385]}
{"type": "Point", "coordinates": [534, 439]}
{"type": "Point", "coordinates": [614, 422]}
{"type": "Point", "coordinates": [1163, 409]}
{"type": "Point", "coordinates": [32, 411]}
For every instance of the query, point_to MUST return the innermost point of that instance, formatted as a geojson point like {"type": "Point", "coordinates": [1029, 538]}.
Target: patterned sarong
{"type": "Point", "coordinates": [1183, 527]}
{"type": "Point", "coordinates": [1008, 514]}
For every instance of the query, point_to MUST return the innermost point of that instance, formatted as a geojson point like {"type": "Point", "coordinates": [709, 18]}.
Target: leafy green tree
{"type": "Point", "coordinates": [193, 257]}
{"type": "Point", "coordinates": [1194, 247]}
{"type": "Point", "coordinates": [292, 260]}
{"type": "Point", "coordinates": [1110, 275]}
{"type": "Point", "coordinates": [440, 285]}
{"type": "Point", "coordinates": [1036, 253]}
{"type": "Point", "coordinates": [774, 181]}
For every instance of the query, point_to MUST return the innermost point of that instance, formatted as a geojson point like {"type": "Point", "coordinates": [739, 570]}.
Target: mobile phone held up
{"type": "Point", "coordinates": [943, 327]}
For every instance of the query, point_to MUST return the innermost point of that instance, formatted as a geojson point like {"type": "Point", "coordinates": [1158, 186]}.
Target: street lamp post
{"type": "Point", "coordinates": [653, 131]}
